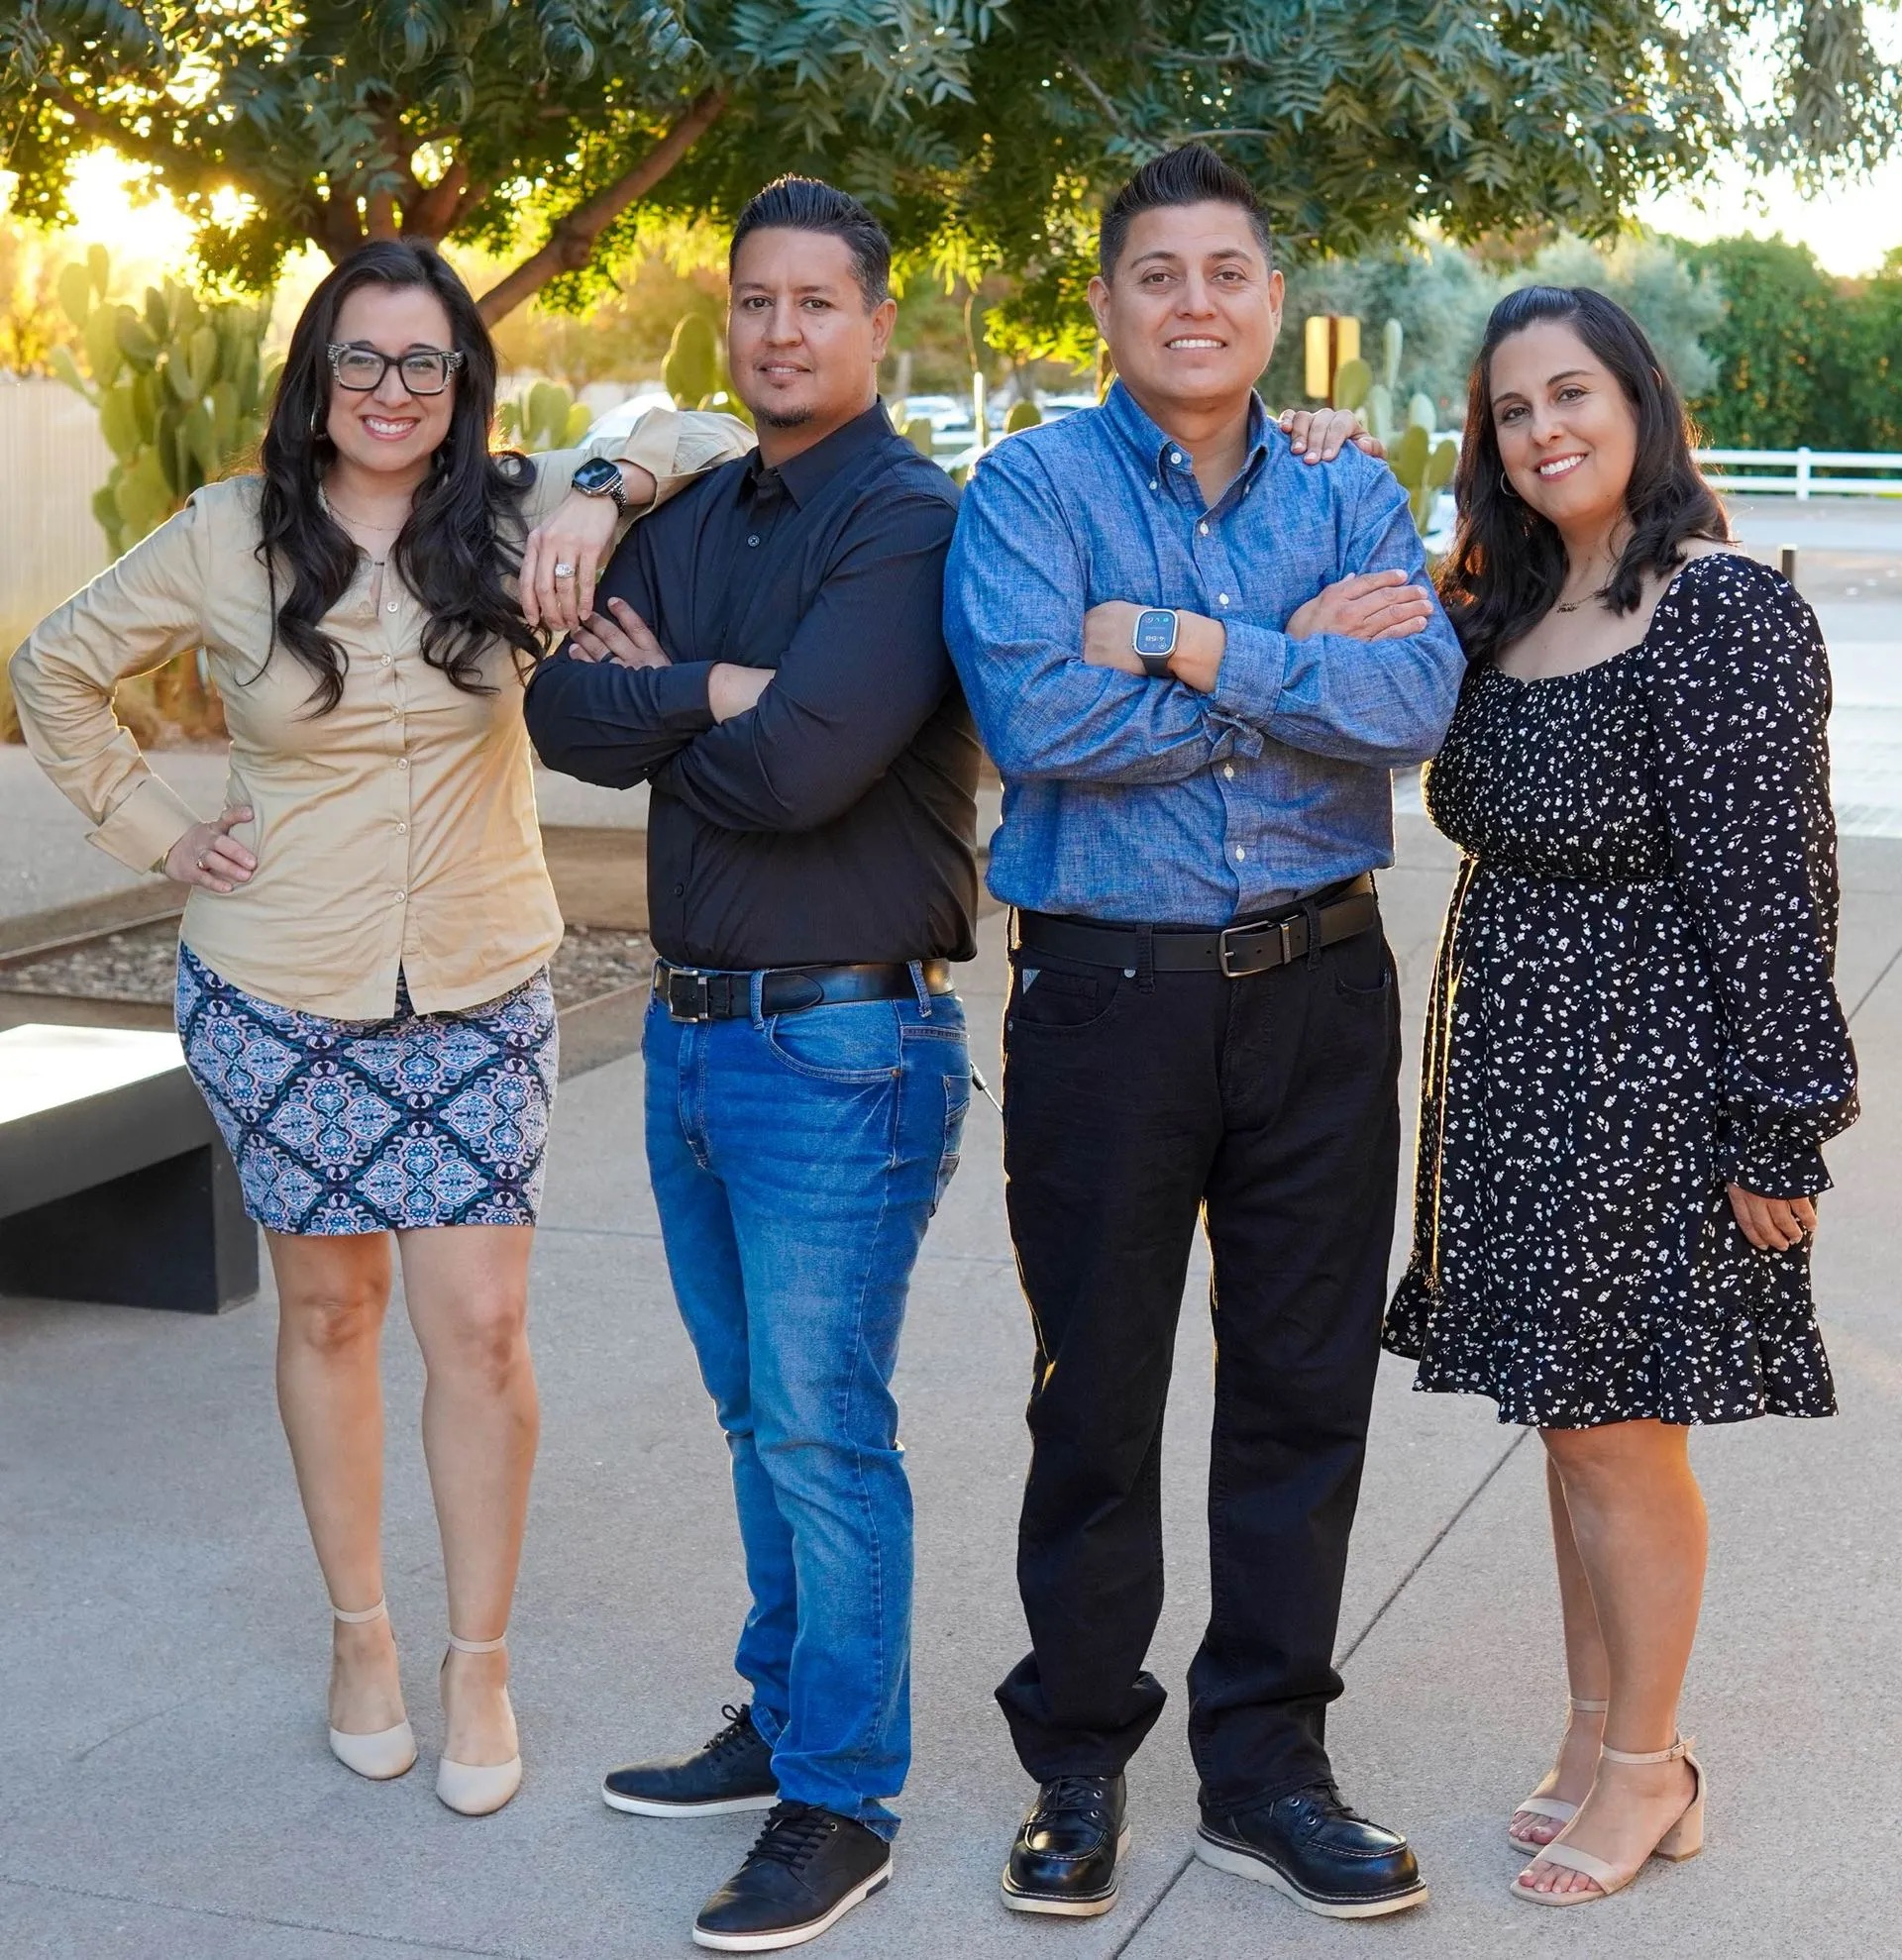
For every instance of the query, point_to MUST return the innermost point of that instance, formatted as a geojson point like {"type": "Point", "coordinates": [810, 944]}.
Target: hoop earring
{"type": "Point", "coordinates": [1506, 484]}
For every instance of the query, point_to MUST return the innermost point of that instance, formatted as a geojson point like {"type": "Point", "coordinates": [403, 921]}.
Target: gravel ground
{"type": "Point", "coordinates": [137, 966]}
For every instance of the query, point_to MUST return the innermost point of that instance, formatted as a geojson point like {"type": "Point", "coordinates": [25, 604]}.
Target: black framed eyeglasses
{"type": "Point", "coordinates": [422, 370]}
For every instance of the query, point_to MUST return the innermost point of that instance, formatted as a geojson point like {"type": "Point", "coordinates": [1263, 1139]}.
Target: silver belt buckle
{"type": "Point", "coordinates": [697, 982]}
{"type": "Point", "coordinates": [1282, 928]}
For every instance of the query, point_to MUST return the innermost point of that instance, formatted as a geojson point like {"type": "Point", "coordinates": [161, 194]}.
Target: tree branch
{"type": "Point", "coordinates": [571, 244]}
{"type": "Point", "coordinates": [439, 205]}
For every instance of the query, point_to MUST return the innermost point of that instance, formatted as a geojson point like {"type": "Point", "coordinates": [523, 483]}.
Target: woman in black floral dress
{"type": "Point", "coordinates": [1635, 1048]}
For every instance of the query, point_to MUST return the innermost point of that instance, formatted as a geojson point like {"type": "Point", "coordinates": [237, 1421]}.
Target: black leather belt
{"type": "Point", "coordinates": [691, 994]}
{"type": "Point", "coordinates": [1255, 946]}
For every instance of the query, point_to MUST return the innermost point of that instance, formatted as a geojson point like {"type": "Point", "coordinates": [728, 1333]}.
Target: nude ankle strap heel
{"type": "Point", "coordinates": [388, 1753]}
{"type": "Point", "coordinates": [476, 1789]}
{"type": "Point", "coordinates": [1684, 1839]}
{"type": "Point", "coordinates": [1555, 1807]}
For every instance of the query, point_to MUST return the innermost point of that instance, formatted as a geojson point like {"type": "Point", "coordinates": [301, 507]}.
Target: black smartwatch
{"type": "Point", "coordinates": [1154, 639]}
{"type": "Point", "coordinates": [597, 477]}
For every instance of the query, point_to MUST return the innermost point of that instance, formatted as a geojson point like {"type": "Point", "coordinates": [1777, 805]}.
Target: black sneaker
{"type": "Point", "coordinates": [806, 1872]}
{"type": "Point", "coordinates": [1313, 1847]}
{"type": "Point", "coordinates": [1068, 1848]}
{"type": "Point", "coordinates": [733, 1771]}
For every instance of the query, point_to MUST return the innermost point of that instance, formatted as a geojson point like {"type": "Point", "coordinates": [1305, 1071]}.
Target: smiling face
{"type": "Point", "coordinates": [1566, 431]}
{"type": "Point", "coordinates": [1191, 308]}
{"type": "Point", "coordinates": [390, 431]}
{"type": "Point", "coordinates": [802, 344]}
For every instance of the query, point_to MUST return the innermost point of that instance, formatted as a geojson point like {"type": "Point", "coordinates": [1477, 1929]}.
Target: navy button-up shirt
{"type": "Point", "coordinates": [1143, 800]}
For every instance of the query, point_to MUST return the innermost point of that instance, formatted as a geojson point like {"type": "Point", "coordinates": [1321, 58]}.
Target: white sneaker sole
{"type": "Point", "coordinates": [1068, 1909]}
{"type": "Point", "coordinates": [797, 1935]}
{"type": "Point", "coordinates": [1250, 1865]}
{"type": "Point", "coordinates": [648, 1807]}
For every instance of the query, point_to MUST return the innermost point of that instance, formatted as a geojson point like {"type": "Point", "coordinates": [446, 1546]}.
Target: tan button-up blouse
{"type": "Point", "coordinates": [397, 831]}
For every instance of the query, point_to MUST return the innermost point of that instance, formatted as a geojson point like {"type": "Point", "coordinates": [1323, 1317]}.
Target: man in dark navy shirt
{"type": "Point", "coordinates": [767, 653]}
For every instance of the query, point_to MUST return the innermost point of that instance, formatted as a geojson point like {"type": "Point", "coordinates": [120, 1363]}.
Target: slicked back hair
{"type": "Point", "coordinates": [809, 204]}
{"type": "Point", "coordinates": [1191, 174]}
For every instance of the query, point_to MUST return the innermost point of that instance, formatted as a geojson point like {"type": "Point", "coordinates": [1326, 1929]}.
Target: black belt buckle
{"type": "Point", "coordinates": [1284, 929]}
{"type": "Point", "coordinates": [699, 1002]}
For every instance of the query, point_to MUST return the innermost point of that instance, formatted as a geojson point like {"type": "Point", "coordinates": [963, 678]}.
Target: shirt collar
{"type": "Point", "coordinates": [1166, 459]}
{"type": "Point", "coordinates": [806, 473]}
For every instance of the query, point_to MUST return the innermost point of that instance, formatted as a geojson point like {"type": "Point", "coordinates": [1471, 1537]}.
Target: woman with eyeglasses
{"type": "Point", "coordinates": [363, 984]}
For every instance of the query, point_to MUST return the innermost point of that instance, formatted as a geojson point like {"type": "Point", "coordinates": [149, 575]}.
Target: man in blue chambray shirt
{"type": "Point", "coordinates": [1196, 662]}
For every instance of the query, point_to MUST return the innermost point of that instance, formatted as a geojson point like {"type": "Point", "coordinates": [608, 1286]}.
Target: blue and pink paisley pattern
{"type": "Point", "coordinates": [376, 1126]}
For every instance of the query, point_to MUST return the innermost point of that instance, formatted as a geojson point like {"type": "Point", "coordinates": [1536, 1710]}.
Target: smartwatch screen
{"type": "Point", "coordinates": [1155, 631]}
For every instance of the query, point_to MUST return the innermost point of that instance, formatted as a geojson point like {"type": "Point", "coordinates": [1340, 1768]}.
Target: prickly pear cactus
{"type": "Point", "coordinates": [181, 389]}
{"type": "Point", "coordinates": [182, 394]}
{"type": "Point", "coordinates": [1353, 382]}
{"type": "Point", "coordinates": [546, 417]}
{"type": "Point", "coordinates": [693, 368]}
{"type": "Point", "coordinates": [1025, 414]}
{"type": "Point", "coordinates": [1422, 466]}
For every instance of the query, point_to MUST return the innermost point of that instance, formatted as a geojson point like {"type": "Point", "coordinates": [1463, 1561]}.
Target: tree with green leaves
{"type": "Point", "coordinates": [1777, 349]}
{"type": "Point", "coordinates": [986, 131]}
{"type": "Point", "coordinates": [538, 128]}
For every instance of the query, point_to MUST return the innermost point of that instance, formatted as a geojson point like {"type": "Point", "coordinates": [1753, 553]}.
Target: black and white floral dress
{"type": "Point", "coordinates": [1633, 1008]}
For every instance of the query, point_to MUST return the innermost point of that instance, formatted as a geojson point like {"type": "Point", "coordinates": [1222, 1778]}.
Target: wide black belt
{"type": "Point", "coordinates": [691, 994]}
{"type": "Point", "coordinates": [1254, 945]}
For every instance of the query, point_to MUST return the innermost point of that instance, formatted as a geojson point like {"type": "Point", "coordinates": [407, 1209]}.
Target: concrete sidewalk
{"type": "Point", "coordinates": [164, 1789]}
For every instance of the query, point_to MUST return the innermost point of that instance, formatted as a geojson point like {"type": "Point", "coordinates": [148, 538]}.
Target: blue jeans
{"type": "Point", "coordinates": [796, 1159]}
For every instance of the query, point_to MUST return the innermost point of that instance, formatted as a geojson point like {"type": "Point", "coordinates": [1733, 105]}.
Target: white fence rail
{"type": "Point", "coordinates": [1803, 474]}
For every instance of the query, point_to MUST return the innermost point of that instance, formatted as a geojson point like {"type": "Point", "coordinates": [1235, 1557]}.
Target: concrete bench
{"type": "Point", "coordinates": [115, 1184]}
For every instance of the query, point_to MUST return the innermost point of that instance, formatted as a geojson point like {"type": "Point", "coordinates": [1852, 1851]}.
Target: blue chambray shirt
{"type": "Point", "coordinates": [1145, 801]}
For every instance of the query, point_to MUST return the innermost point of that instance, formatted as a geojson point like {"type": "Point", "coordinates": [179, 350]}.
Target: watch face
{"type": "Point", "coordinates": [1155, 631]}
{"type": "Point", "coordinates": [595, 475]}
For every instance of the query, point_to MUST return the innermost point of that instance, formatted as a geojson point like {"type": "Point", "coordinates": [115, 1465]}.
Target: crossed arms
{"type": "Point", "coordinates": [746, 747]}
{"type": "Point", "coordinates": [1058, 694]}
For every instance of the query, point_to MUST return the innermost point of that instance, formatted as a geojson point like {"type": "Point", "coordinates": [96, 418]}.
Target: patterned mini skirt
{"type": "Point", "coordinates": [376, 1126]}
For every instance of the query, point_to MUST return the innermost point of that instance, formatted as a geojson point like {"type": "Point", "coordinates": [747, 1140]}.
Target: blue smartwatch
{"type": "Point", "coordinates": [1154, 639]}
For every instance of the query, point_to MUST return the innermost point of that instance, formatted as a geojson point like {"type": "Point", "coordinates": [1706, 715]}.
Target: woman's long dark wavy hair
{"type": "Point", "coordinates": [1507, 566]}
{"type": "Point", "coordinates": [464, 533]}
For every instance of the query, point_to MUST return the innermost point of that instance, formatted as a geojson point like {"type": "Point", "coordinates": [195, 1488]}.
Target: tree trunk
{"type": "Point", "coordinates": [571, 244]}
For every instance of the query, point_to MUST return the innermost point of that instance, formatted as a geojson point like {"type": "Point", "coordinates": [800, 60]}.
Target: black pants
{"type": "Point", "coordinates": [1132, 1104]}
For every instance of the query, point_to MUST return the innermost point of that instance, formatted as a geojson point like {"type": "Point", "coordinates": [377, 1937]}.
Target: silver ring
{"type": "Point", "coordinates": [201, 862]}
{"type": "Point", "coordinates": [564, 571]}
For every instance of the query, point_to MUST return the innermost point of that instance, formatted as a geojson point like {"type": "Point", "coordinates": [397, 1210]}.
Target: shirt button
{"type": "Point", "coordinates": [680, 891]}
{"type": "Point", "coordinates": [1175, 455]}
{"type": "Point", "coordinates": [389, 660]}
{"type": "Point", "coordinates": [400, 896]}
{"type": "Point", "coordinates": [752, 541]}
{"type": "Point", "coordinates": [402, 761]}
{"type": "Point", "coordinates": [1240, 853]}
{"type": "Point", "coordinates": [1152, 484]}
{"type": "Point", "coordinates": [401, 829]}
{"type": "Point", "coordinates": [1228, 770]}
{"type": "Point", "coordinates": [390, 606]}
{"type": "Point", "coordinates": [1222, 599]}
{"type": "Point", "coordinates": [1204, 528]}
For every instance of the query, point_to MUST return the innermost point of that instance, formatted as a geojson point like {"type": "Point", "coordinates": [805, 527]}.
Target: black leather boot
{"type": "Point", "coordinates": [1068, 1848]}
{"type": "Point", "coordinates": [1318, 1851]}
